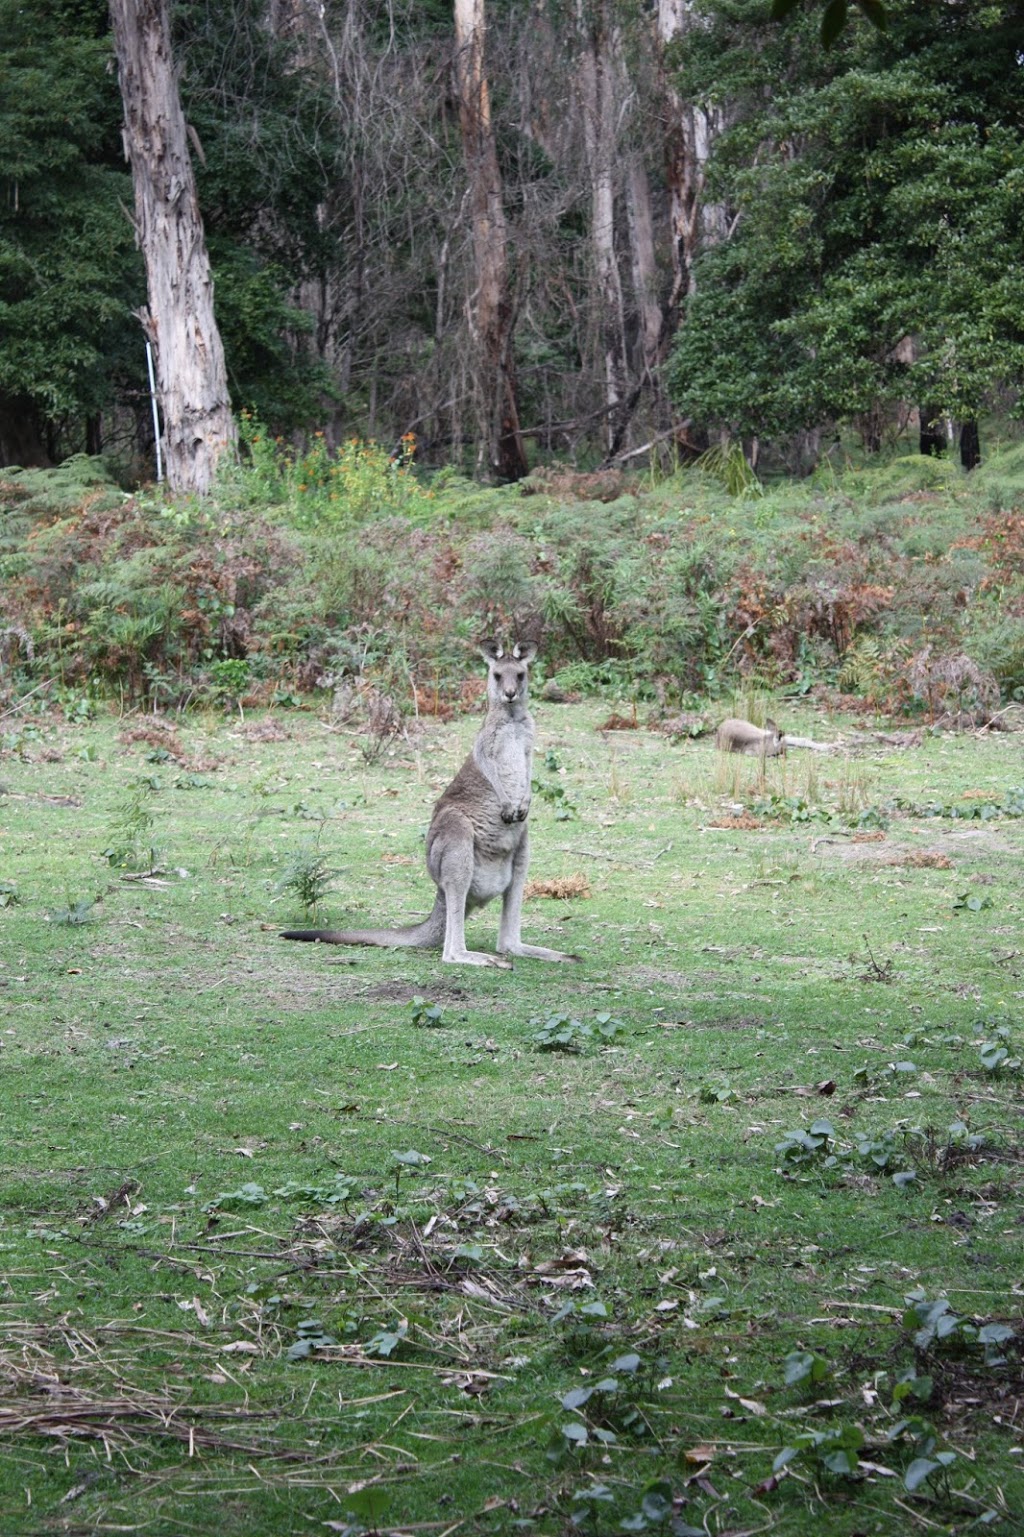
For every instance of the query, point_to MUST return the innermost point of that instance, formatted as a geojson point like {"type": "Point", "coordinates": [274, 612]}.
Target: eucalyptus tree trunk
{"type": "Point", "coordinates": [970, 444]}
{"type": "Point", "coordinates": [597, 74]}
{"type": "Point", "coordinates": [493, 312]}
{"type": "Point", "coordinates": [650, 319]}
{"type": "Point", "coordinates": [691, 133]}
{"type": "Point", "coordinates": [179, 320]}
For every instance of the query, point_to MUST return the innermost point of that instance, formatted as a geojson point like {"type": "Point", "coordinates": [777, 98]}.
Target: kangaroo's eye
{"type": "Point", "coordinates": [520, 676]}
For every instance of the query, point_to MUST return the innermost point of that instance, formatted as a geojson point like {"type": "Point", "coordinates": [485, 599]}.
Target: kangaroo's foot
{"type": "Point", "coordinates": [476, 958]}
{"type": "Point", "coordinates": [538, 953]}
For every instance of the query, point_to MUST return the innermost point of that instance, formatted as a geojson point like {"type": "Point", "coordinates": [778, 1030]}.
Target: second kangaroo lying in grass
{"type": "Point", "coordinates": [741, 736]}
{"type": "Point", "coordinates": [477, 843]}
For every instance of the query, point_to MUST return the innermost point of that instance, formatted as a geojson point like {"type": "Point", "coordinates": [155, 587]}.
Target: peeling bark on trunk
{"type": "Point", "coordinates": [691, 133]}
{"type": "Point", "coordinates": [191, 375]}
{"type": "Point", "coordinates": [645, 271]}
{"type": "Point", "coordinates": [493, 311]}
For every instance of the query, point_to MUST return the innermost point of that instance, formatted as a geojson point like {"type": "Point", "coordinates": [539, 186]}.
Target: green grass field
{"type": "Point", "coordinates": [621, 1287]}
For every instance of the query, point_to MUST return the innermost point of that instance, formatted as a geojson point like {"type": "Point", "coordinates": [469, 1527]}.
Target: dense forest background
{"type": "Point", "coordinates": [712, 227]}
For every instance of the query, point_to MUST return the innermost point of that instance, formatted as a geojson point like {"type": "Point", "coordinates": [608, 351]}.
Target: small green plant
{"type": "Point", "coordinates": [230, 678]}
{"type": "Point", "coordinates": [386, 1342]}
{"type": "Point", "coordinates": [308, 877]}
{"type": "Point", "coordinates": [935, 1325]}
{"type": "Point", "coordinates": [717, 1094]}
{"type": "Point", "coordinates": [966, 902]}
{"type": "Point", "coordinates": [339, 1192]}
{"type": "Point", "coordinates": [581, 1325]}
{"type": "Point", "coordinates": [655, 1509]}
{"type": "Point", "coordinates": [892, 1152]}
{"type": "Point", "coordinates": [131, 844]}
{"type": "Point", "coordinates": [836, 1450]}
{"type": "Point", "coordinates": [927, 1463]}
{"type": "Point", "coordinates": [74, 914]}
{"type": "Point", "coordinates": [813, 1146]}
{"type": "Point", "coordinates": [995, 1053]}
{"type": "Point", "coordinates": [560, 1032]}
{"type": "Point", "coordinates": [425, 1014]}
{"type": "Point", "coordinates": [604, 1410]}
{"type": "Point", "coordinates": [403, 1161]}
{"type": "Point", "coordinates": [311, 1336]}
{"type": "Point", "coordinates": [248, 1195]}
{"type": "Point", "coordinates": [727, 464]}
{"type": "Point", "coordinates": [804, 1366]}
{"type": "Point", "coordinates": [9, 894]}
{"type": "Point", "coordinates": [553, 791]}
{"type": "Point", "coordinates": [318, 489]}
{"type": "Point", "coordinates": [367, 1505]}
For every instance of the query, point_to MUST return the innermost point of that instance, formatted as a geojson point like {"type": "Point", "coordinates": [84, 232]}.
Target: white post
{"type": "Point", "coordinates": [156, 415]}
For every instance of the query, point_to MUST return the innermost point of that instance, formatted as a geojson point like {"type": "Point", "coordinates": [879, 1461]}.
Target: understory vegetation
{"type": "Point", "coordinates": [897, 589]}
{"type": "Point", "coordinates": [717, 1231]}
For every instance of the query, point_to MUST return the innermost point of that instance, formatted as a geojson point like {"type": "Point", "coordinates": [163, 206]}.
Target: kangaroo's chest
{"type": "Point", "coordinates": [504, 754]}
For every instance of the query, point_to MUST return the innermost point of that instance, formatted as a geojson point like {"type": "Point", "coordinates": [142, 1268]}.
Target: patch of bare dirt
{"type": "Point", "coordinates": [686, 724]}
{"type": "Point", "coordinates": [948, 846]}
{"type": "Point", "coordinates": [730, 1022]}
{"type": "Point", "coordinates": [268, 730]}
{"type": "Point", "coordinates": [153, 732]}
{"type": "Point", "coordinates": [404, 992]}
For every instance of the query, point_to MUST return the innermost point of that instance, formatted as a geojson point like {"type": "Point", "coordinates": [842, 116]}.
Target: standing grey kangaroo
{"type": "Point", "coordinates": [477, 843]}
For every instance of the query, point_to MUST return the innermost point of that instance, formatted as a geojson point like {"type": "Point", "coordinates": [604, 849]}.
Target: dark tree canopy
{"type": "Point", "coordinates": [69, 273]}
{"type": "Point", "coordinates": [876, 198]}
{"type": "Point", "coordinates": [755, 235]}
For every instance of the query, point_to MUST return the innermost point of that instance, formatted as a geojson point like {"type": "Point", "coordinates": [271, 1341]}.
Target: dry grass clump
{"type": "Point", "coordinates": [922, 861]}
{"type": "Point", "coordinates": [268, 730]}
{"type": "Point", "coordinates": [617, 722]}
{"type": "Point", "coordinates": [563, 889]}
{"type": "Point", "coordinates": [153, 732]}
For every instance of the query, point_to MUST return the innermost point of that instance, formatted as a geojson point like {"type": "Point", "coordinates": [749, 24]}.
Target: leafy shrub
{"type": "Point", "coordinates": [319, 489]}
{"type": "Point", "coordinates": [324, 565]}
{"type": "Point", "coordinates": [996, 641]}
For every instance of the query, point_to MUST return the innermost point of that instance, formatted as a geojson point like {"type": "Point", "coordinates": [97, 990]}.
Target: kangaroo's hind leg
{"type": "Point", "coordinates": [450, 862]}
{"type": "Point", "coordinates": [509, 936]}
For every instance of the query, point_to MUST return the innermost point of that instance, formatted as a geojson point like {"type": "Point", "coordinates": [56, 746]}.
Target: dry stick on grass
{"type": "Point", "coordinates": [443, 1131]}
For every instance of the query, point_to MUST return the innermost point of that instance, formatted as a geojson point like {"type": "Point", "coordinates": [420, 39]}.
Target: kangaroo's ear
{"type": "Point", "coordinates": [524, 651]}
{"type": "Point", "coordinates": [770, 725]}
{"type": "Point", "coordinates": [491, 651]}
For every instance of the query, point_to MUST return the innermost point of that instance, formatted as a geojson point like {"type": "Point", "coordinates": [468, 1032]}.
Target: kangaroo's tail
{"type": "Point", "coordinates": [424, 936]}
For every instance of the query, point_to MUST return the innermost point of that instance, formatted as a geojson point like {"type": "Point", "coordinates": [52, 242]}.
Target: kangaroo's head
{"type": "Point", "coordinates": [507, 671]}
{"type": "Point", "coordinates": [775, 742]}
